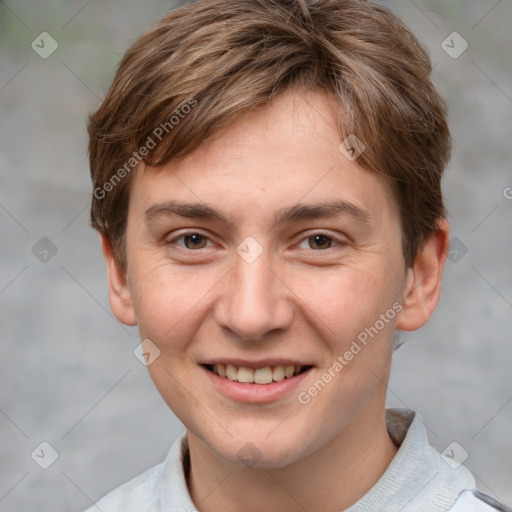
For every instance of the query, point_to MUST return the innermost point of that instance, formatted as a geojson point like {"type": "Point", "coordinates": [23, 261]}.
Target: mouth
{"type": "Point", "coordinates": [263, 375]}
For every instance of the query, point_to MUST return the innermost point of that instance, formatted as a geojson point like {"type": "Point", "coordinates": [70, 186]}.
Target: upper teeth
{"type": "Point", "coordinates": [259, 376]}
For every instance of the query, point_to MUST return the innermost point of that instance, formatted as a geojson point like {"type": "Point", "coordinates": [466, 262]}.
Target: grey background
{"type": "Point", "coordinates": [68, 373]}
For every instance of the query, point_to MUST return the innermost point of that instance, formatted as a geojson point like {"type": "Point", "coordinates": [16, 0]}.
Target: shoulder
{"type": "Point", "coordinates": [132, 496]}
{"type": "Point", "coordinates": [476, 501]}
{"type": "Point", "coordinates": [161, 487]}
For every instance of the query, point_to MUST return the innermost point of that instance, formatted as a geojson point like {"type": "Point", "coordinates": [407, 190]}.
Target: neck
{"type": "Point", "coordinates": [331, 479]}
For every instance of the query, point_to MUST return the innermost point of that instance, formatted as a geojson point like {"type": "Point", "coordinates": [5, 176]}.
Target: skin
{"type": "Point", "coordinates": [303, 298]}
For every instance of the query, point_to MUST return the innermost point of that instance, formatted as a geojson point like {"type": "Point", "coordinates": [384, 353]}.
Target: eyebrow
{"type": "Point", "coordinates": [293, 213]}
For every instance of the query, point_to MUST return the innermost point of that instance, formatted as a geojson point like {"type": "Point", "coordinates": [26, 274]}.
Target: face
{"type": "Point", "coordinates": [266, 253]}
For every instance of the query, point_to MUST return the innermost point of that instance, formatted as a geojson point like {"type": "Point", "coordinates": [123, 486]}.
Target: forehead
{"type": "Point", "coordinates": [284, 154]}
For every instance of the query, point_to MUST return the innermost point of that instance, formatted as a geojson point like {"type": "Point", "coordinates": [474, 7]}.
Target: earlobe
{"type": "Point", "coordinates": [423, 283]}
{"type": "Point", "coordinates": [118, 289]}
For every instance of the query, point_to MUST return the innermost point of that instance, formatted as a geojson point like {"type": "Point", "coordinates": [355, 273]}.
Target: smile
{"type": "Point", "coordinates": [264, 375]}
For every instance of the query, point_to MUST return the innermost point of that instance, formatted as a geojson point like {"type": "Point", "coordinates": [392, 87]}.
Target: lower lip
{"type": "Point", "coordinates": [255, 393]}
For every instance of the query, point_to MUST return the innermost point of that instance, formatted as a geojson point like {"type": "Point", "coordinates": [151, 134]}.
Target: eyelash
{"type": "Point", "coordinates": [333, 239]}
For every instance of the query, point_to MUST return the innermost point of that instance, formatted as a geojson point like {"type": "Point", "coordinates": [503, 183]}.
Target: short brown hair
{"type": "Point", "coordinates": [208, 63]}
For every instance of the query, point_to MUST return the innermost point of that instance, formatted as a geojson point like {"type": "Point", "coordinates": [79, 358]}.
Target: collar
{"type": "Point", "coordinates": [418, 477]}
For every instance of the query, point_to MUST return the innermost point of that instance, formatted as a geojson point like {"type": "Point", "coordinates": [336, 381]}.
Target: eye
{"type": "Point", "coordinates": [319, 242]}
{"type": "Point", "coordinates": [191, 241]}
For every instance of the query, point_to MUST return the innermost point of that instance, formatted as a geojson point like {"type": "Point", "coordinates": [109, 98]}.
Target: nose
{"type": "Point", "coordinates": [254, 300]}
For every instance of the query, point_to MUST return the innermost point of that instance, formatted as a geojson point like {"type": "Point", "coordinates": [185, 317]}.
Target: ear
{"type": "Point", "coordinates": [423, 283]}
{"type": "Point", "coordinates": [118, 289]}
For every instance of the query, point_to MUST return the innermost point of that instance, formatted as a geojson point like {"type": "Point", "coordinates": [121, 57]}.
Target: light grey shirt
{"type": "Point", "coordinates": [418, 479]}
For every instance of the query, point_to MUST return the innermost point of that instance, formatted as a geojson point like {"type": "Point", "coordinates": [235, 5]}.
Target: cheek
{"type": "Point", "coordinates": [167, 301]}
{"type": "Point", "coordinates": [354, 311]}
{"type": "Point", "coordinates": [170, 307]}
{"type": "Point", "coordinates": [347, 299]}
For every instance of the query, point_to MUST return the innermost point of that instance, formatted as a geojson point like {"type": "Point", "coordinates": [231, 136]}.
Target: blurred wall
{"type": "Point", "coordinates": [68, 374]}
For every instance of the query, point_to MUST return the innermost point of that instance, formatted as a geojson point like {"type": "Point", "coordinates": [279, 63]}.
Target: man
{"type": "Point", "coordinates": [267, 189]}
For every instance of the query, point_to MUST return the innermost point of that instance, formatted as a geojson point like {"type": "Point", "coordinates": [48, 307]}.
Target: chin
{"type": "Point", "coordinates": [254, 449]}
